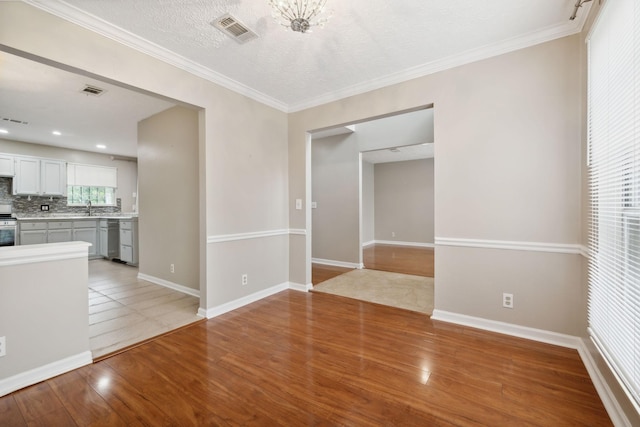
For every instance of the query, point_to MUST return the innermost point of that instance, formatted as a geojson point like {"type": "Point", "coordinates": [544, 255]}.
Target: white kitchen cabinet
{"type": "Point", "coordinates": [129, 241]}
{"type": "Point", "coordinates": [7, 166]}
{"type": "Point", "coordinates": [39, 177]}
{"type": "Point", "coordinates": [53, 178]}
{"type": "Point", "coordinates": [27, 179]}
{"type": "Point", "coordinates": [87, 231]}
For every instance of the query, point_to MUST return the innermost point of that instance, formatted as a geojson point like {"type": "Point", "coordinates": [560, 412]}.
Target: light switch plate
{"type": "Point", "coordinates": [298, 204]}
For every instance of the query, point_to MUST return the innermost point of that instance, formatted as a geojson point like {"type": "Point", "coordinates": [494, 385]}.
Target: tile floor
{"type": "Point", "coordinates": [124, 310]}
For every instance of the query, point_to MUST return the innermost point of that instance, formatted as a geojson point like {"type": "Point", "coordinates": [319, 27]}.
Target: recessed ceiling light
{"type": "Point", "coordinates": [101, 146]}
{"type": "Point", "coordinates": [4, 131]}
{"type": "Point", "coordinates": [56, 133]}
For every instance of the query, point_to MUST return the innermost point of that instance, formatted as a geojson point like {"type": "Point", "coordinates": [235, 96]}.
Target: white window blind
{"type": "Point", "coordinates": [92, 175]}
{"type": "Point", "coordinates": [614, 186]}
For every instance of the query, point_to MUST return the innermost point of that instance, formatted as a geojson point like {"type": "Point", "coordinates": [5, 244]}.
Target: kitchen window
{"type": "Point", "coordinates": [78, 195]}
{"type": "Point", "coordinates": [91, 183]}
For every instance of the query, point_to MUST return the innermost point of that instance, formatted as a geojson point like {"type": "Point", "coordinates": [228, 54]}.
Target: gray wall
{"type": "Point", "coordinates": [507, 157]}
{"type": "Point", "coordinates": [404, 201]}
{"type": "Point", "coordinates": [368, 203]}
{"type": "Point", "coordinates": [335, 189]}
{"type": "Point", "coordinates": [127, 172]}
{"type": "Point", "coordinates": [335, 181]}
{"type": "Point", "coordinates": [168, 221]}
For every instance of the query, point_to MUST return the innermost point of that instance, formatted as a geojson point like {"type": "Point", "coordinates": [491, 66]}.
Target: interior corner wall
{"type": "Point", "coordinates": [404, 209]}
{"type": "Point", "coordinates": [168, 185]}
{"type": "Point", "coordinates": [368, 203]}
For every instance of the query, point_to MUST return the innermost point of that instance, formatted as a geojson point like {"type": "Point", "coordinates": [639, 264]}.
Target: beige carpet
{"type": "Point", "coordinates": [397, 290]}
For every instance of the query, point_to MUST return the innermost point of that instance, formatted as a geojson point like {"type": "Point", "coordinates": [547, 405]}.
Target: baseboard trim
{"type": "Point", "coordinates": [42, 373]}
{"type": "Point", "coordinates": [369, 243]}
{"type": "Point", "coordinates": [334, 263]}
{"type": "Point", "coordinates": [609, 401]}
{"type": "Point", "coordinates": [241, 302]}
{"type": "Point", "coordinates": [617, 415]}
{"type": "Point", "coordinates": [170, 285]}
{"type": "Point", "coordinates": [399, 243]}
{"type": "Point", "coordinates": [561, 248]}
{"type": "Point", "coordinates": [300, 287]}
{"type": "Point", "coordinates": [534, 334]}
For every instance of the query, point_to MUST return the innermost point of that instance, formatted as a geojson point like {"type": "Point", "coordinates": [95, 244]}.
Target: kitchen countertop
{"type": "Point", "coordinates": [75, 217]}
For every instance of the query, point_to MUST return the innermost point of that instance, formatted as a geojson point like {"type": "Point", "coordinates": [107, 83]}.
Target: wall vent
{"type": "Point", "coordinates": [234, 28]}
{"type": "Point", "coordinates": [10, 120]}
{"type": "Point", "coordinates": [92, 90]}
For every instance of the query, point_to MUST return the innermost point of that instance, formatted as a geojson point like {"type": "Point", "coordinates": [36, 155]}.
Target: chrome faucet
{"type": "Point", "coordinates": [89, 206]}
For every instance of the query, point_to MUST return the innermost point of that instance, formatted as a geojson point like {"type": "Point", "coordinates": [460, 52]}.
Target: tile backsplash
{"type": "Point", "coordinates": [22, 206]}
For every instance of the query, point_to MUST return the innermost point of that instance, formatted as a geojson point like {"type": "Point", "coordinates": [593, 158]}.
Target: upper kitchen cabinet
{"type": "Point", "coordinates": [7, 167]}
{"type": "Point", "coordinates": [39, 177]}
{"type": "Point", "coordinates": [53, 178]}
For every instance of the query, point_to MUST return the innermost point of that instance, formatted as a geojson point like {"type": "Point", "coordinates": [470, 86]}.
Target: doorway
{"type": "Point", "coordinates": [345, 233]}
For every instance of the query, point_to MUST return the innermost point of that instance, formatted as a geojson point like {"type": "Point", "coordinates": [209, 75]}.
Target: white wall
{"type": "Point", "coordinates": [127, 170]}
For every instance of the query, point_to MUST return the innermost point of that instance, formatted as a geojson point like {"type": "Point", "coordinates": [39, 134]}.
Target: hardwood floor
{"type": "Point", "coordinates": [297, 359]}
{"type": "Point", "coordinates": [400, 259]}
{"type": "Point", "coordinates": [397, 259]}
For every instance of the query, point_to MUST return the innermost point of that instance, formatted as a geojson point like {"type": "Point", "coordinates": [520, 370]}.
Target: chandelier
{"type": "Point", "coordinates": [299, 15]}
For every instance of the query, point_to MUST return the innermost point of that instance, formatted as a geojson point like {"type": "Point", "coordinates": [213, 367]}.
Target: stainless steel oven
{"type": "Point", "coordinates": [8, 227]}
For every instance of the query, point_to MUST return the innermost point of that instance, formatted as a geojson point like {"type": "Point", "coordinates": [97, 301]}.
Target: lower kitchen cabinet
{"type": "Point", "coordinates": [33, 237]}
{"type": "Point", "coordinates": [59, 231]}
{"type": "Point", "coordinates": [129, 241]}
{"type": "Point", "coordinates": [109, 238]}
{"type": "Point", "coordinates": [87, 231]}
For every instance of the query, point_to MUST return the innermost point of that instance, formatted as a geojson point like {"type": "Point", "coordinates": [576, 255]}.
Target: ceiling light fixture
{"type": "Point", "coordinates": [4, 131]}
{"type": "Point", "coordinates": [299, 15]}
{"type": "Point", "coordinates": [101, 146]}
{"type": "Point", "coordinates": [56, 133]}
{"type": "Point", "coordinates": [578, 5]}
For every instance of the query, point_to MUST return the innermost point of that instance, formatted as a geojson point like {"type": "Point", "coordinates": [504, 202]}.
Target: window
{"type": "Point", "coordinates": [99, 196]}
{"type": "Point", "coordinates": [614, 189]}
{"type": "Point", "coordinates": [96, 184]}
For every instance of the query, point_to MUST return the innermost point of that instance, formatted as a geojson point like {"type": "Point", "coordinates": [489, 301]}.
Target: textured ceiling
{"type": "Point", "coordinates": [366, 44]}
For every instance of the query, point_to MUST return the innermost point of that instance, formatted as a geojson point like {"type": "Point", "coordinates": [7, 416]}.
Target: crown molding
{"type": "Point", "coordinates": [470, 56]}
{"type": "Point", "coordinates": [97, 25]}
{"type": "Point", "coordinates": [93, 23]}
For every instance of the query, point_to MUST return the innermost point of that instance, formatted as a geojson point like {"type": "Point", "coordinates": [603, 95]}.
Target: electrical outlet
{"type": "Point", "coordinates": [245, 279]}
{"type": "Point", "coordinates": [172, 268]}
{"type": "Point", "coordinates": [507, 300]}
{"type": "Point", "coordinates": [3, 346]}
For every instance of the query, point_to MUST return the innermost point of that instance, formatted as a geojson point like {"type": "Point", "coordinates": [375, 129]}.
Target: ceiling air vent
{"type": "Point", "coordinates": [20, 122]}
{"type": "Point", "coordinates": [92, 90]}
{"type": "Point", "coordinates": [234, 28]}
